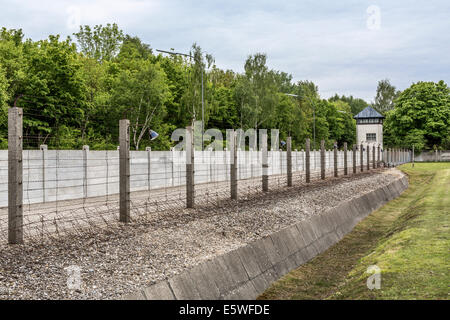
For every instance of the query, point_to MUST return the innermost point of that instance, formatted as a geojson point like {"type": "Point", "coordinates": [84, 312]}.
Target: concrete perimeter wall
{"type": "Point", "coordinates": [247, 272]}
{"type": "Point", "coordinates": [55, 175]}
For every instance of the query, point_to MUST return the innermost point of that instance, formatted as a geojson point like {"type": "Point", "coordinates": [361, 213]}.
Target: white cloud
{"type": "Point", "coordinates": [327, 42]}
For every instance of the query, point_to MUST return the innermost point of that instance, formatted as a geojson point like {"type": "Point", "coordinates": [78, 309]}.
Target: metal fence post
{"type": "Point", "coordinates": [265, 163]}
{"type": "Point", "coordinates": [233, 166]}
{"type": "Point", "coordinates": [322, 159]}
{"type": "Point", "coordinates": [368, 158]}
{"type": "Point", "coordinates": [15, 178]}
{"type": "Point", "coordinates": [190, 197]}
{"type": "Point", "coordinates": [308, 160]}
{"type": "Point", "coordinates": [289, 161]}
{"type": "Point", "coordinates": [124, 170]}
{"type": "Point", "coordinates": [335, 160]}
{"type": "Point", "coordinates": [413, 157]}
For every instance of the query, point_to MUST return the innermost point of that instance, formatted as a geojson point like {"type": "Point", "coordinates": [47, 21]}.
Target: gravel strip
{"type": "Point", "coordinates": [122, 259]}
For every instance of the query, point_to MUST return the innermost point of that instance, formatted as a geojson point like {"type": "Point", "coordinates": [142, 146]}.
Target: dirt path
{"type": "Point", "coordinates": [120, 259]}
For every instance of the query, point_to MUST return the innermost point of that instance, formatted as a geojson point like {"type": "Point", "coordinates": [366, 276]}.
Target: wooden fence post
{"type": "Point", "coordinates": [379, 156]}
{"type": "Point", "coordinates": [289, 161]}
{"type": "Point", "coordinates": [345, 159]}
{"type": "Point", "coordinates": [265, 163]}
{"type": "Point", "coordinates": [335, 160]}
{"type": "Point", "coordinates": [308, 160]}
{"type": "Point", "coordinates": [354, 159]}
{"type": "Point", "coordinates": [374, 164]}
{"type": "Point", "coordinates": [233, 165]}
{"type": "Point", "coordinates": [362, 157]}
{"type": "Point", "coordinates": [124, 170]}
{"type": "Point", "coordinates": [190, 186]}
{"type": "Point", "coordinates": [322, 159]}
{"type": "Point", "coordinates": [15, 175]}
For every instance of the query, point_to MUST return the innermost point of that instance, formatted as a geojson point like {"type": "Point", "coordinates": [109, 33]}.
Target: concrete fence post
{"type": "Point", "coordinates": [44, 149]}
{"type": "Point", "coordinates": [15, 178]}
{"type": "Point", "coordinates": [354, 159]}
{"type": "Point", "coordinates": [335, 159]}
{"type": "Point", "coordinates": [233, 166]}
{"type": "Point", "coordinates": [362, 157]}
{"type": "Point", "coordinates": [322, 159]}
{"type": "Point", "coordinates": [190, 186]}
{"type": "Point", "coordinates": [265, 163]}
{"type": "Point", "coordinates": [289, 161]}
{"type": "Point", "coordinates": [413, 156]}
{"type": "Point", "coordinates": [374, 164]}
{"type": "Point", "coordinates": [124, 170]}
{"type": "Point", "coordinates": [149, 167]}
{"type": "Point", "coordinates": [85, 170]}
{"type": "Point", "coordinates": [308, 160]}
{"type": "Point", "coordinates": [345, 159]}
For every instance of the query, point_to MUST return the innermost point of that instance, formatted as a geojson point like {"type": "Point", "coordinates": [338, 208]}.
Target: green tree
{"type": "Point", "coordinates": [101, 43]}
{"type": "Point", "coordinates": [140, 93]}
{"type": "Point", "coordinates": [3, 109]}
{"type": "Point", "coordinates": [421, 116]}
{"type": "Point", "coordinates": [54, 92]}
{"type": "Point", "coordinates": [386, 94]}
{"type": "Point", "coordinates": [356, 104]}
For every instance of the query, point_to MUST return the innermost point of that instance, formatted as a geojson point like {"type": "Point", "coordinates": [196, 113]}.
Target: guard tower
{"type": "Point", "coordinates": [369, 127]}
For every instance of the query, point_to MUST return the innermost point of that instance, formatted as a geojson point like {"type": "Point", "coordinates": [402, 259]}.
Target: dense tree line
{"type": "Point", "coordinates": [75, 91]}
{"type": "Point", "coordinates": [421, 117]}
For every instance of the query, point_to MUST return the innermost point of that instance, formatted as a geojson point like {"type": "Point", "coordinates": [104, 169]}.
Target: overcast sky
{"type": "Point", "coordinates": [345, 47]}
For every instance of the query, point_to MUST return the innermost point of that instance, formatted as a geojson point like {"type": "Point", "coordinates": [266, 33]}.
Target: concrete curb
{"type": "Point", "coordinates": [247, 272]}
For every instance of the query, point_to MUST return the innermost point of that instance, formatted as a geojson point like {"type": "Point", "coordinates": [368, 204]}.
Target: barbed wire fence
{"type": "Point", "coordinates": [46, 194]}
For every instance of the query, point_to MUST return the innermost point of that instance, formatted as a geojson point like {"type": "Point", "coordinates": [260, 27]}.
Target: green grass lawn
{"type": "Point", "coordinates": [408, 239]}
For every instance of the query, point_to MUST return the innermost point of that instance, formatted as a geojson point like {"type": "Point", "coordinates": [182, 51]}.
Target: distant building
{"type": "Point", "coordinates": [369, 127]}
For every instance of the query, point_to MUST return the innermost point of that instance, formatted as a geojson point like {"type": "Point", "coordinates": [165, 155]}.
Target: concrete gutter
{"type": "Point", "coordinates": [247, 272]}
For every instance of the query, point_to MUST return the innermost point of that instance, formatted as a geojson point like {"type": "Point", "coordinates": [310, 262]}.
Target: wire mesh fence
{"type": "Point", "coordinates": [72, 191]}
{"type": "Point", "coordinates": [67, 191]}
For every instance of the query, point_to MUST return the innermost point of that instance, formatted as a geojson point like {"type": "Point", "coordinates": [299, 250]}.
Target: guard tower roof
{"type": "Point", "coordinates": [369, 112]}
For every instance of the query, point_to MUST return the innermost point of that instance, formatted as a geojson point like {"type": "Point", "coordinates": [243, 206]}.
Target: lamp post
{"type": "Point", "coordinates": [203, 101]}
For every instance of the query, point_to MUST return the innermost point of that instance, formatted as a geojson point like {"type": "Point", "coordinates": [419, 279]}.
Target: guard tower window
{"type": "Point", "coordinates": [371, 137]}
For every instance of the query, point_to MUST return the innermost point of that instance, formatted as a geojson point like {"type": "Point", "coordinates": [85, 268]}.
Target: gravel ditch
{"type": "Point", "coordinates": [122, 259]}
